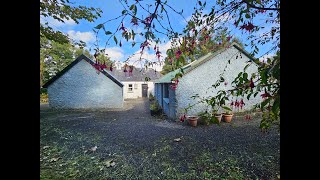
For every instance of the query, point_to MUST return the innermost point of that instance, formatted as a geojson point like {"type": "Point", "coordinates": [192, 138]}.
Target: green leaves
{"type": "Point", "coordinates": [147, 79]}
{"type": "Point", "coordinates": [99, 26]}
{"type": "Point", "coordinates": [108, 32]}
{"type": "Point", "coordinates": [226, 108]}
{"type": "Point", "coordinates": [245, 76]}
{"type": "Point", "coordinates": [246, 67]}
{"type": "Point", "coordinates": [276, 105]}
{"type": "Point", "coordinates": [115, 39]}
{"type": "Point", "coordinates": [265, 102]}
{"type": "Point", "coordinates": [133, 34]}
{"type": "Point", "coordinates": [133, 8]}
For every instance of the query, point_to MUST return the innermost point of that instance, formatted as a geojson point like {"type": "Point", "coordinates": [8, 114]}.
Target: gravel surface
{"type": "Point", "coordinates": [132, 130]}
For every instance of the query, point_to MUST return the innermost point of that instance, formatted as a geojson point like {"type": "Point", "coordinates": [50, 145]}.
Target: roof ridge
{"type": "Point", "coordinates": [199, 61]}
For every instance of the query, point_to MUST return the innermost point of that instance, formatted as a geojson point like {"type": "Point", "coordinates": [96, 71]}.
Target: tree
{"type": "Point", "coordinates": [62, 10]}
{"type": "Point", "coordinates": [206, 43]}
{"type": "Point", "coordinates": [80, 51]}
{"type": "Point", "coordinates": [54, 57]}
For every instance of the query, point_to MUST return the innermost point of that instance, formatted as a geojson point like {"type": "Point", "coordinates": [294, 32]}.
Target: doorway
{"type": "Point", "coordinates": [144, 90]}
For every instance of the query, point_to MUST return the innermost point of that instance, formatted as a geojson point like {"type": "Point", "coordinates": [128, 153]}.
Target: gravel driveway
{"type": "Point", "coordinates": [135, 139]}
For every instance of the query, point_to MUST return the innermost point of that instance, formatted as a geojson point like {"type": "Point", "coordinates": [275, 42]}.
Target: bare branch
{"type": "Point", "coordinates": [262, 8]}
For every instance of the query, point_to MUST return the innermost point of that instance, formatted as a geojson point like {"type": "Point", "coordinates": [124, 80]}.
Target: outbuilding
{"type": "Point", "coordinates": [80, 86]}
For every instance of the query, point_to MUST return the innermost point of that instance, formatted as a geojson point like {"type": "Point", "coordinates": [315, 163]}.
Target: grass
{"type": "Point", "coordinates": [61, 161]}
{"type": "Point", "coordinates": [57, 163]}
{"type": "Point", "coordinates": [65, 154]}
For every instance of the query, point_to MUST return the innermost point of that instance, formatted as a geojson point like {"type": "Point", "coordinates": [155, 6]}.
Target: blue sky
{"type": "Point", "coordinates": [113, 8]}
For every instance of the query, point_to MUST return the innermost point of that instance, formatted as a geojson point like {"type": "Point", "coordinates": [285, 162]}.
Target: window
{"type": "Point", "coordinates": [135, 86]}
{"type": "Point", "coordinates": [130, 88]}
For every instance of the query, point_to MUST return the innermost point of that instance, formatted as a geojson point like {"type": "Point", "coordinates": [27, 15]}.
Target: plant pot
{"type": "Point", "coordinates": [227, 117]}
{"type": "Point", "coordinates": [218, 116]}
{"type": "Point", "coordinates": [193, 120]}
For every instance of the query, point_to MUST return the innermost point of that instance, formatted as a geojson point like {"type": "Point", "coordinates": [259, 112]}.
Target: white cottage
{"type": "Point", "coordinates": [199, 76]}
{"type": "Point", "coordinates": [80, 85]}
{"type": "Point", "coordinates": [139, 83]}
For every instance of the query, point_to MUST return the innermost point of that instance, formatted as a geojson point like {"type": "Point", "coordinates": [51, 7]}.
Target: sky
{"type": "Point", "coordinates": [112, 8]}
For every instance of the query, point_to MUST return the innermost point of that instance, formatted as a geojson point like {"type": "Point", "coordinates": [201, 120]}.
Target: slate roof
{"type": "Point", "coordinates": [187, 68]}
{"type": "Point", "coordinates": [138, 74]}
{"type": "Point", "coordinates": [81, 57]}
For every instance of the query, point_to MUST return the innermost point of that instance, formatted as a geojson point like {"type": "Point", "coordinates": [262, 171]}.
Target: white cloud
{"type": "Point", "coordinates": [83, 36]}
{"type": "Point", "coordinates": [150, 56]}
{"type": "Point", "coordinates": [264, 57]}
{"type": "Point", "coordinates": [56, 23]}
{"type": "Point", "coordinates": [115, 53]}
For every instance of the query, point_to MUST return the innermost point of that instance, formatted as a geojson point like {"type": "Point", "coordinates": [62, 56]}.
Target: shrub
{"type": "Point", "coordinates": [43, 98]}
{"type": "Point", "coordinates": [151, 97]}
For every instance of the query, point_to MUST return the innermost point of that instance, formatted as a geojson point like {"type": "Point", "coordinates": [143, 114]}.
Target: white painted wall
{"type": "Point", "coordinates": [201, 78]}
{"type": "Point", "coordinates": [150, 88]}
{"type": "Point", "coordinates": [136, 92]}
{"type": "Point", "coordinates": [83, 87]}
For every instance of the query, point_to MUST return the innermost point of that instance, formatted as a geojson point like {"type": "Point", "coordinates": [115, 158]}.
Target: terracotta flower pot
{"type": "Point", "coordinates": [227, 117]}
{"type": "Point", "coordinates": [193, 120]}
{"type": "Point", "coordinates": [218, 116]}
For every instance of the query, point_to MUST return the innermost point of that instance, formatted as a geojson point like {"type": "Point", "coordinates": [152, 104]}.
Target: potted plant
{"type": "Point", "coordinates": [216, 103]}
{"type": "Point", "coordinates": [227, 116]}
{"type": "Point", "coordinates": [205, 118]}
{"type": "Point", "coordinates": [193, 120]}
{"type": "Point", "coordinates": [217, 116]}
{"type": "Point", "coordinates": [154, 108]}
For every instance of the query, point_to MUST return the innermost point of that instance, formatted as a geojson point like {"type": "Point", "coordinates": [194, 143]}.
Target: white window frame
{"type": "Point", "coordinates": [130, 89]}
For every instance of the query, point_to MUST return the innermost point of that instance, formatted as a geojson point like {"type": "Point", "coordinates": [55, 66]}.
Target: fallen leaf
{"type": "Point", "coordinates": [93, 149]}
{"type": "Point", "coordinates": [278, 176]}
{"type": "Point", "coordinates": [110, 163]}
{"type": "Point", "coordinates": [45, 147]}
{"type": "Point", "coordinates": [177, 139]}
{"type": "Point", "coordinates": [54, 159]}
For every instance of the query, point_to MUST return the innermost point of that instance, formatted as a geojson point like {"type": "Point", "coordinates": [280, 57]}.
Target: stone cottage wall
{"type": "Point", "coordinates": [201, 78]}
{"type": "Point", "coordinates": [82, 87]}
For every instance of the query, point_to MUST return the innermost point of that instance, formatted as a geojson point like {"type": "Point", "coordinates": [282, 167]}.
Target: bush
{"type": "Point", "coordinates": [151, 97]}
{"type": "Point", "coordinates": [43, 90]}
{"type": "Point", "coordinates": [43, 98]}
{"type": "Point", "coordinates": [154, 106]}
{"type": "Point", "coordinates": [205, 118]}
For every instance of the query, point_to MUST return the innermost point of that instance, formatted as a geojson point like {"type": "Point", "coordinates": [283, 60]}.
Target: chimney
{"type": "Point", "coordinates": [118, 65]}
